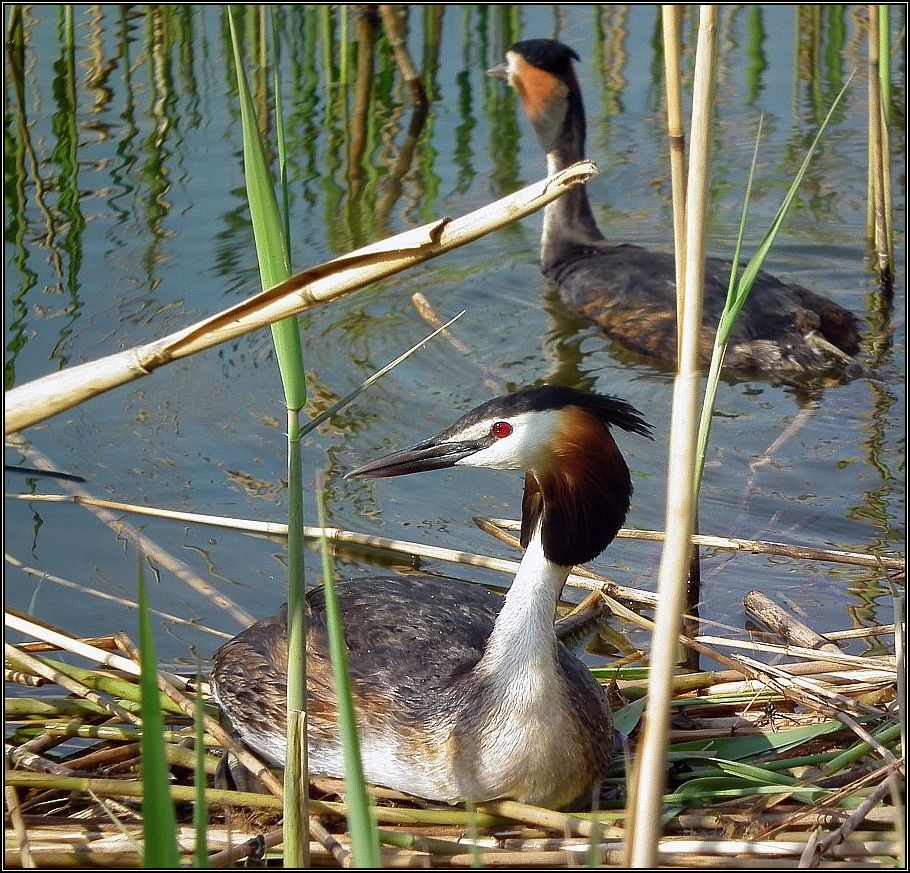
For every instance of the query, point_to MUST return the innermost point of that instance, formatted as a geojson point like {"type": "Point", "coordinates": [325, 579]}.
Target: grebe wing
{"type": "Point", "coordinates": [413, 631]}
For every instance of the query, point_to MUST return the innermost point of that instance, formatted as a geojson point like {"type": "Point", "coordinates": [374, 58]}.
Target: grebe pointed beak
{"type": "Point", "coordinates": [429, 455]}
{"type": "Point", "coordinates": [500, 71]}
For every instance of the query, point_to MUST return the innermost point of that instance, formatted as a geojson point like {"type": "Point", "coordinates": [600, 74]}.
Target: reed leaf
{"type": "Point", "coordinates": [888, 734]}
{"type": "Point", "coordinates": [758, 774]}
{"type": "Point", "coordinates": [741, 284]}
{"type": "Point", "coordinates": [778, 741]}
{"type": "Point", "coordinates": [159, 821]}
{"type": "Point", "coordinates": [626, 718]}
{"type": "Point", "coordinates": [361, 823]}
{"type": "Point", "coordinates": [268, 227]}
{"type": "Point", "coordinates": [714, 789]}
{"type": "Point", "coordinates": [272, 249]}
{"type": "Point", "coordinates": [269, 232]}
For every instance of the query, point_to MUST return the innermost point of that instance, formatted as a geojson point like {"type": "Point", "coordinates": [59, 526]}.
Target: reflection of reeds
{"type": "Point", "coordinates": [100, 67]}
{"type": "Point", "coordinates": [65, 155]}
{"type": "Point", "coordinates": [358, 123]}
{"type": "Point", "coordinates": [755, 51]}
{"type": "Point", "coordinates": [393, 22]}
{"type": "Point", "coordinates": [611, 60]}
{"type": "Point", "coordinates": [20, 157]}
{"type": "Point", "coordinates": [25, 159]}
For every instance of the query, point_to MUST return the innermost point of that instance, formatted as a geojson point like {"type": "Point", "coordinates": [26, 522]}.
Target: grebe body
{"type": "Point", "coordinates": [462, 694]}
{"type": "Point", "coordinates": [784, 331]}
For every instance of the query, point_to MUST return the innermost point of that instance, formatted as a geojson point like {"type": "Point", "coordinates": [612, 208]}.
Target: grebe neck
{"type": "Point", "coordinates": [523, 636]}
{"type": "Point", "coordinates": [568, 217]}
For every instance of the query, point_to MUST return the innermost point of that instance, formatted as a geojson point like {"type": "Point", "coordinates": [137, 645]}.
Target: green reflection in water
{"type": "Point", "coordinates": [16, 146]}
{"type": "Point", "coordinates": [65, 128]}
{"type": "Point", "coordinates": [757, 62]}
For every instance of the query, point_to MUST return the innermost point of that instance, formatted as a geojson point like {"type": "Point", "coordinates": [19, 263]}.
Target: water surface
{"type": "Point", "coordinates": [126, 219]}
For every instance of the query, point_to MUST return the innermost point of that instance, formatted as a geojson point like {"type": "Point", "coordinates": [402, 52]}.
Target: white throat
{"type": "Point", "coordinates": [523, 637]}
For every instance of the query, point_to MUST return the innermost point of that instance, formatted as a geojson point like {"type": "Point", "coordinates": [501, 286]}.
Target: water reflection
{"type": "Point", "coordinates": [126, 218]}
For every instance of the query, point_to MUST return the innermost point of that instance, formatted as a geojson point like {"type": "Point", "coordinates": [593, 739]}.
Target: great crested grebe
{"type": "Point", "coordinates": [462, 694]}
{"type": "Point", "coordinates": [783, 331]}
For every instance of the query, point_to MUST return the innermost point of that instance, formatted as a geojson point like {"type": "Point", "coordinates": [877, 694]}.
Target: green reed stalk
{"type": "Point", "coordinates": [125, 691]}
{"type": "Point", "coordinates": [272, 249]}
{"type": "Point", "coordinates": [361, 821]}
{"type": "Point", "coordinates": [159, 821]}
{"type": "Point", "coordinates": [286, 335]}
{"type": "Point", "coordinates": [888, 734]}
{"type": "Point", "coordinates": [200, 809]}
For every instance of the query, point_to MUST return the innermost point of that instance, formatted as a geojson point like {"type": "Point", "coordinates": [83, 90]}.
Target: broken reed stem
{"type": "Point", "coordinates": [74, 687]}
{"type": "Point", "coordinates": [25, 625]}
{"type": "Point", "coordinates": [16, 819]}
{"type": "Point", "coordinates": [879, 230]}
{"type": "Point", "coordinates": [42, 398]}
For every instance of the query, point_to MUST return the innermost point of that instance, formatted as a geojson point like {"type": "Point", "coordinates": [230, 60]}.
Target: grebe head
{"type": "Point", "coordinates": [541, 72]}
{"type": "Point", "coordinates": [577, 484]}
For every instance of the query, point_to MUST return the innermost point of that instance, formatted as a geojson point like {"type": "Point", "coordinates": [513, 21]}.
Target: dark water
{"type": "Point", "coordinates": [126, 219]}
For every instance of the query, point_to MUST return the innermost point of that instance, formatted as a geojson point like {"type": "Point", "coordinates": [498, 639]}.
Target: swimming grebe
{"type": "Point", "coordinates": [462, 694]}
{"type": "Point", "coordinates": [629, 292]}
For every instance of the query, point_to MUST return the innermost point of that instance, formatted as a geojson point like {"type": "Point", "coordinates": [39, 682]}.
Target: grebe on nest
{"type": "Point", "coordinates": [784, 330]}
{"type": "Point", "coordinates": [462, 694]}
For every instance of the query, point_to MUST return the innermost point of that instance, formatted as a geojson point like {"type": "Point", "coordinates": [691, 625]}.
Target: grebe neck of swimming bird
{"type": "Point", "coordinates": [561, 131]}
{"type": "Point", "coordinates": [552, 101]}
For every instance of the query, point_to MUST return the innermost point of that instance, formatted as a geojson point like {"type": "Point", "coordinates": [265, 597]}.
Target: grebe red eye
{"type": "Point", "coordinates": [501, 429]}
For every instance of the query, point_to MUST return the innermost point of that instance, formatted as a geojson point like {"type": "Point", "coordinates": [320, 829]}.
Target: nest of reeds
{"type": "Point", "coordinates": [791, 755]}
